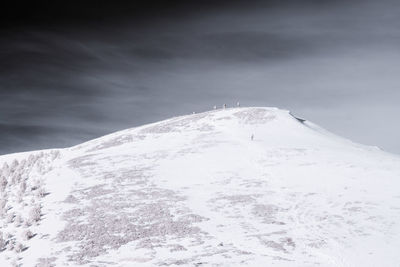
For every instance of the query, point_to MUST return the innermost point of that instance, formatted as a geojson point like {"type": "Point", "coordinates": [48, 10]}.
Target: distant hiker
{"type": "Point", "coordinates": [238, 104]}
{"type": "Point", "coordinates": [252, 137]}
{"type": "Point", "coordinates": [224, 106]}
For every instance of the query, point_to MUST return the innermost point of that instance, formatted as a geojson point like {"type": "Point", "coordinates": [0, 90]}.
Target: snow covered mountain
{"type": "Point", "coordinates": [197, 190]}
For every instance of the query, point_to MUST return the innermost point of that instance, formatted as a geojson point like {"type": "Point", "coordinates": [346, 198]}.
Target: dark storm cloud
{"type": "Point", "coordinates": [41, 12]}
{"type": "Point", "coordinates": [44, 91]}
{"type": "Point", "coordinates": [68, 78]}
{"type": "Point", "coordinates": [223, 46]}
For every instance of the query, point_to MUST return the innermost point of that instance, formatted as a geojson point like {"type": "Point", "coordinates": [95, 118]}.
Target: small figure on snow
{"type": "Point", "coordinates": [224, 106]}
{"type": "Point", "coordinates": [252, 137]}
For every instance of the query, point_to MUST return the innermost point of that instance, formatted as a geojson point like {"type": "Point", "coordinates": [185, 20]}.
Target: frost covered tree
{"type": "Point", "coordinates": [22, 187]}
{"type": "Point", "coordinates": [18, 247]}
{"type": "Point", "coordinates": [18, 220]}
{"type": "Point", "coordinates": [36, 185]}
{"type": "Point", "coordinates": [20, 197]}
{"type": "Point", "coordinates": [18, 175]}
{"type": "Point", "coordinates": [6, 169]}
{"type": "Point", "coordinates": [31, 160]}
{"type": "Point", "coordinates": [2, 242]}
{"type": "Point", "coordinates": [26, 235]}
{"type": "Point", "coordinates": [10, 217]}
{"type": "Point", "coordinates": [8, 236]}
{"type": "Point", "coordinates": [35, 214]}
{"type": "Point", "coordinates": [3, 183]}
{"type": "Point", "coordinates": [41, 192]}
{"type": "Point", "coordinates": [26, 223]}
{"type": "Point", "coordinates": [22, 163]}
{"type": "Point", "coordinates": [12, 179]}
{"type": "Point", "coordinates": [14, 165]}
{"type": "Point", "coordinates": [10, 244]}
{"type": "Point", "coordinates": [41, 169]}
{"type": "Point", "coordinates": [3, 203]}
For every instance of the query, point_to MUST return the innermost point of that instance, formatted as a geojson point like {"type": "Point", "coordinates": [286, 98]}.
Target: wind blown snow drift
{"type": "Point", "coordinates": [198, 190]}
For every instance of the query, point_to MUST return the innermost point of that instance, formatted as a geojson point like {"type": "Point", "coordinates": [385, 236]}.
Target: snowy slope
{"type": "Point", "coordinates": [197, 191]}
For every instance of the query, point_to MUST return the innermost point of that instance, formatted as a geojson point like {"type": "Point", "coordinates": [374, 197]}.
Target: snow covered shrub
{"type": "Point", "coordinates": [18, 221]}
{"type": "Point", "coordinates": [35, 214]}
{"type": "Point", "coordinates": [31, 160]}
{"type": "Point", "coordinates": [46, 262]}
{"type": "Point", "coordinates": [41, 169]}
{"type": "Point", "coordinates": [38, 189]}
{"type": "Point", "coordinates": [3, 202]}
{"type": "Point", "coordinates": [13, 171]}
{"type": "Point", "coordinates": [26, 223]}
{"type": "Point", "coordinates": [41, 192]}
{"type": "Point", "coordinates": [18, 247]}
{"type": "Point", "coordinates": [5, 169]}
{"type": "Point", "coordinates": [14, 165]}
{"type": "Point", "coordinates": [20, 197]}
{"type": "Point", "coordinates": [11, 244]}
{"type": "Point", "coordinates": [2, 213]}
{"type": "Point", "coordinates": [10, 217]}
{"type": "Point", "coordinates": [36, 185]}
{"type": "Point", "coordinates": [22, 187]}
{"type": "Point", "coordinates": [26, 235]}
{"type": "Point", "coordinates": [2, 242]}
{"type": "Point", "coordinates": [18, 176]}
{"type": "Point", "coordinates": [11, 180]}
{"type": "Point", "coordinates": [3, 183]}
{"type": "Point", "coordinates": [22, 163]}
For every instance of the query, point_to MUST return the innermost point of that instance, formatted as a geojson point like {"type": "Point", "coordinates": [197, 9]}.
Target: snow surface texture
{"type": "Point", "coordinates": [197, 191]}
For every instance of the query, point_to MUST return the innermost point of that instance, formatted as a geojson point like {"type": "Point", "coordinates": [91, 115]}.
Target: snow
{"type": "Point", "coordinates": [196, 190]}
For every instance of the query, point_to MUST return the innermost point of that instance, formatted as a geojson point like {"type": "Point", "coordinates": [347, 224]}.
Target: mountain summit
{"type": "Point", "coordinates": [230, 187]}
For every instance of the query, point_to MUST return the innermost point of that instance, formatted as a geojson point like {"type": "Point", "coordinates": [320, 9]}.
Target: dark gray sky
{"type": "Point", "coordinates": [68, 77]}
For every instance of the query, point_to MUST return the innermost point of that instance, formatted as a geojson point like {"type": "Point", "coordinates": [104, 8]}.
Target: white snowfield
{"type": "Point", "coordinates": [197, 191]}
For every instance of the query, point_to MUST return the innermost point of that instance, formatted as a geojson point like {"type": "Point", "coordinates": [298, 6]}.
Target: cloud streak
{"type": "Point", "coordinates": [328, 62]}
